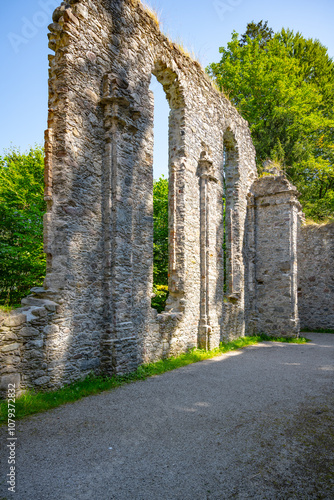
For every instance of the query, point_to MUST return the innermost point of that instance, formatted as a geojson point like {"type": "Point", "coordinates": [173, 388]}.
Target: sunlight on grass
{"type": "Point", "coordinates": [7, 309]}
{"type": "Point", "coordinates": [154, 15]}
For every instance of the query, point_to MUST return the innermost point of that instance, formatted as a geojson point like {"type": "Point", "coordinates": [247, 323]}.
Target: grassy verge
{"type": "Point", "coordinates": [317, 330]}
{"type": "Point", "coordinates": [7, 309]}
{"type": "Point", "coordinates": [36, 402]}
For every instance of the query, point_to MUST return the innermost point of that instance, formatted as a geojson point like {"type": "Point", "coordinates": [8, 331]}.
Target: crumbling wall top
{"type": "Point", "coordinates": [273, 184]}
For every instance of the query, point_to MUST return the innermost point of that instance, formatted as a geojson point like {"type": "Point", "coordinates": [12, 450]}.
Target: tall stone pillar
{"type": "Point", "coordinates": [207, 178]}
{"type": "Point", "coordinates": [124, 124]}
{"type": "Point", "coordinates": [276, 207]}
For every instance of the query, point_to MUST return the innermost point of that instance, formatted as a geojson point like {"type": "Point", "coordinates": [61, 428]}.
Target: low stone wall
{"type": "Point", "coordinates": [316, 276]}
{"type": "Point", "coordinates": [37, 348]}
{"type": "Point", "coordinates": [23, 337]}
{"type": "Point", "coordinates": [167, 336]}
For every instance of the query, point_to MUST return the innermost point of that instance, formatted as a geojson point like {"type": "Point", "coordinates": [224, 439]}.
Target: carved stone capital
{"type": "Point", "coordinates": [206, 168]}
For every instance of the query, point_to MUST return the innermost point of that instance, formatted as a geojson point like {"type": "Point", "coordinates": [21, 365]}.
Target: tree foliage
{"type": "Point", "coordinates": [284, 86]}
{"type": "Point", "coordinates": [254, 31]}
{"type": "Point", "coordinates": [160, 234]}
{"type": "Point", "coordinates": [160, 244]}
{"type": "Point", "coordinates": [22, 206]}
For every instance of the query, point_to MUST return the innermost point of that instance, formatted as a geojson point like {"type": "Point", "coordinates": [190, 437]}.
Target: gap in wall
{"type": "Point", "coordinates": [161, 114]}
{"type": "Point", "coordinates": [160, 196]}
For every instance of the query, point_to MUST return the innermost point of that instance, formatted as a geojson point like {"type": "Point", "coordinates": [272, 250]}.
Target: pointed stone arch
{"type": "Point", "coordinates": [174, 92]}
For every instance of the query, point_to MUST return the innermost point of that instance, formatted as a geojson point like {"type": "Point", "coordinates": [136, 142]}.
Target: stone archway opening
{"type": "Point", "coordinates": [165, 84]}
{"type": "Point", "coordinates": [160, 195]}
{"type": "Point", "coordinates": [160, 129]}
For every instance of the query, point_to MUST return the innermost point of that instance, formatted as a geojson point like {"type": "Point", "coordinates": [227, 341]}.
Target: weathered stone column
{"type": "Point", "coordinates": [276, 226]}
{"type": "Point", "coordinates": [207, 176]}
{"type": "Point", "coordinates": [120, 349]}
{"type": "Point", "coordinates": [250, 264]}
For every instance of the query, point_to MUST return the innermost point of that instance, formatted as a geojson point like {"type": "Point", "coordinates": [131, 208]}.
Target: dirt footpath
{"type": "Point", "coordinates": [256, 423]}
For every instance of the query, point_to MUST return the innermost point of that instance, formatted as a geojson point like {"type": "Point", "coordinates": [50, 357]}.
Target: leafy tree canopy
{"type": "Point", "coordinates": [284, 86]}
{"type": "Point", "coordinates": [254, 31]}
{"type": "Point", "coordinates": [22, 206]}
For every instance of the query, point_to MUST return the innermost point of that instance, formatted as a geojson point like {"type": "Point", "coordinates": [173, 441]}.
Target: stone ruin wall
{"type": "Point", "coordinates": [99, 188]}
{"type": "Point", "coordinates": [271, 257]}
{"type": "Point", "coordinates": [316, 276]}
{"type": "Point", "coordinates": [94, 312]}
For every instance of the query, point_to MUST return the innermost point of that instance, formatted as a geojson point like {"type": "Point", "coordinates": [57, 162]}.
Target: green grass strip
{"type": "Point", "coordinates": [7, 309]}
{"type": "Point", "coordinates": [37, 402]}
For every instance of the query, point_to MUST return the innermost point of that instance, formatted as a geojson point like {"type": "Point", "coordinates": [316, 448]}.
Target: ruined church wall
{"type": "Point", "coordinates": [49, 348]}
{"type": "Point", "coordinates": [316, 276]}
{"type": "Point", "coordinates": [99, 190]}
{"type": "Point", "coordinates": [74, 225]}
{"type": "Point", "coordinates": [123, 118]}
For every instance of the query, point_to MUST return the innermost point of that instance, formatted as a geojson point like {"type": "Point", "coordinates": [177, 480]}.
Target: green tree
{"type": "Point", "coordinates": [254, 31]}
{"type": "Point", "coordinates": [160, 234]}
{"type": "Point", "coordinates": [284, 87]}
{"type": "Point", "coordinates": [160, 243]}
{"type": "Point", "coordinates": [22, 206]}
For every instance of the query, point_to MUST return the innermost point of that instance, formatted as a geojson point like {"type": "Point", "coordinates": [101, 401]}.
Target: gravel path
{"type": "Point", "coordinates": [257, 423]}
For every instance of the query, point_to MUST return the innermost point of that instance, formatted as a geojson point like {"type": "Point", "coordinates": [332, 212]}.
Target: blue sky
{"type": "Point", "coordinates": [202, 26]}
